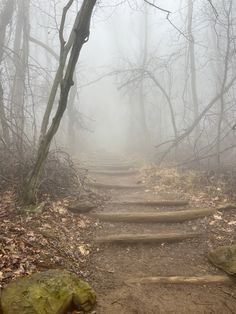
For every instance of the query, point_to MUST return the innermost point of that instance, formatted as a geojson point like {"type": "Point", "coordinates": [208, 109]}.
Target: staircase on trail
{"type": "Point", "coordinates": [147, 240]}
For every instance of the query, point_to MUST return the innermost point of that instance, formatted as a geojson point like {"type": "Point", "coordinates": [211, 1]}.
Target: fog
{"type": "Point", "coordinates": [150, 78]}
{"type": "Point", "coordinates": [117, 156]}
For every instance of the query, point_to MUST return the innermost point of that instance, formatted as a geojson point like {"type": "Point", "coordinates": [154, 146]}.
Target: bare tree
{"type": "Point", "coordinates": [20, 58]}
{"type": "Point", "coordinates": [192, 63]}
{"type": "Point", "coordinates": [226, 62]}
{"type": "Point", "coordinates": [141, 101]}
{"type": "Point", "coordinates": [5, 19]}
{"type": "Point", "coordinates": [78, 36]}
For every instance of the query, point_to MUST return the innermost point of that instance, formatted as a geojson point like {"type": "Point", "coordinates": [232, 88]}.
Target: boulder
{"type": "Point", "coordinates": [225, 258]}
{"type": "Point", "coordinates": [49, 292]}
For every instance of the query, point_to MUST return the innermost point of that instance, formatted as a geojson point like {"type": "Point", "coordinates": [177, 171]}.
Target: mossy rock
{"type": "Point", "coordinates": [225, 258]}
{"type": "Point", "coordinates": [49, 292]}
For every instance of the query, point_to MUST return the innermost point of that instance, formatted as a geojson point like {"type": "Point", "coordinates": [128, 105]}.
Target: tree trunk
{"type": "Point", "coordinates": [21, 53]}
{"type": "Point", "coordinates": [79, 35]}
{"type": "Point", "coordinates": [165, 94]}
{"type": "Point", "coordinates": [192, 61]}
{"type": "Point", "coordinates": [72, 116]}
{"type": "Point", "coordinates": [141, 101]}
{"type": "Point", "coordinates": [225, 76]}
{"type": "Point", "coordinates": [5, 19]}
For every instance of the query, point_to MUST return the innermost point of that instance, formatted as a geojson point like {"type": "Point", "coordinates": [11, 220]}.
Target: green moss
{"type": "Point", "coordinates": [225, 258]}
{"type": "Point", "coordinates": [50, 292]}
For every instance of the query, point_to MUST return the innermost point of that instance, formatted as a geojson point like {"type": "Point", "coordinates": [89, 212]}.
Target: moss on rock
{"type": "Point", "coordinates": [225, 258]}
{"type": "Point", "coordinates": [49, 292]}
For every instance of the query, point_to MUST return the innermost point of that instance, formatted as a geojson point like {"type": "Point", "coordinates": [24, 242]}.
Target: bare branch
{"type": "Point", "coordinates": [168, 18]}
{"type": "Point", "coordinates": [46, 47]}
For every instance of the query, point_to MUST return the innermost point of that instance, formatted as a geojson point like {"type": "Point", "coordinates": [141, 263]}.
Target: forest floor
{"type": "Point", "coordinates": [58, 238]}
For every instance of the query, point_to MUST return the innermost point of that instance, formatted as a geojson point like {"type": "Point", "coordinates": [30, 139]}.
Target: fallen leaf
{"type": "Point", "coordinates": [83, 250]}
{"type": "Point", "coordinates": [217, 217]}
{"type": "Point", "coordinates": [232, 223]}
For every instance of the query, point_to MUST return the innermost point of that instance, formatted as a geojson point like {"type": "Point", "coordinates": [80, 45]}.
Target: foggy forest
{"type": "Point", "coordinates": [117, 156]}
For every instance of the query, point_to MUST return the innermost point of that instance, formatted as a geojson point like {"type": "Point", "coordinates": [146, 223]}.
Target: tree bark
{"type": "Point", "coordinates": [21, 53]}
{"type": "Point", "coordinates": [223, 83]}
{"type": "Point", "coordinates": [172, 114]}
{"type": "Point", "coordinates": [79, 35]}
{"type": "Point", "coordinates": [65, 49]}
{"type": "Point", "coordinates": [193, 76]}
{"type": "Point", "coordinates": [5, 19]}
{"type": "Point", "coordinates": [141, 100]}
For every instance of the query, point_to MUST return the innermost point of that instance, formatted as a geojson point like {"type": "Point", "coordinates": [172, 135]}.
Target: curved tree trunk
{"type": "Point", "coordinates": [79, 35]}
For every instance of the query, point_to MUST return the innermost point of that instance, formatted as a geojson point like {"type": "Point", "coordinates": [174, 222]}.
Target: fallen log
{"type": "Point", "coordinates": [167, 203]}
{"type": "Point", "coordinates": [164, 217]}
{"type": "Point", "coordinates": [202, 280]}
{"type": "Point", "coordinates": [147, 238]}
{"type": "Point", "coordinates": [99, 185]}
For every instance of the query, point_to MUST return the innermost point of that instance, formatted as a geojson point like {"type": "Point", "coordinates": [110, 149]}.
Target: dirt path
{"type": "Point", "coordinates": [114, 263]}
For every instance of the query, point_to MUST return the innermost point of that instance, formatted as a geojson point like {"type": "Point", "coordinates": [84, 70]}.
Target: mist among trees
{"type": "Point", "coordinates": [150, 80]}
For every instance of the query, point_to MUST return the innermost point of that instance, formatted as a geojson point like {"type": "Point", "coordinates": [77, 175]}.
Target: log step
{"type": "Point", "coordinates": [98, 185]}
{"type": "Point", "coordinates": [110, 167]}
{"type": "Point", "coordinates": [146, 238]}
{"type": "Point", "coordinates": [202, 280]}
{"type": "Point", "coordinates": [115, 173]}
{"type": "Point", "coordinates": [164, 217]}
{"type": "Point", "coordinates": [160, 203]}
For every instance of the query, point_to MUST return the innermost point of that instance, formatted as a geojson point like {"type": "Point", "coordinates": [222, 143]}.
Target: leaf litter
{"type": "Point", "coordinates": [30, 242]}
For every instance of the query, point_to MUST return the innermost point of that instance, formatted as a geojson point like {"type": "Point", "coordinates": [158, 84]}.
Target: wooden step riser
{"type": "Point", "coordinates": [164, 217]}
{"type": "Point", "coordinates": [114, 173]}
{"type": "Point", "coordinates": [181, 280]}
{"type": "Point", "coordinates": [115, 187]}
{"type": "Point", "coordinates": [111, 168]}
{"type": "Point", "coordinates": [160, 203]}
{"type": "Point", "coordinates": [146, 238]}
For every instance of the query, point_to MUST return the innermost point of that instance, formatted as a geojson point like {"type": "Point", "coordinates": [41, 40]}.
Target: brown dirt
{"type": "Point", "coordinates": [112, 264]}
